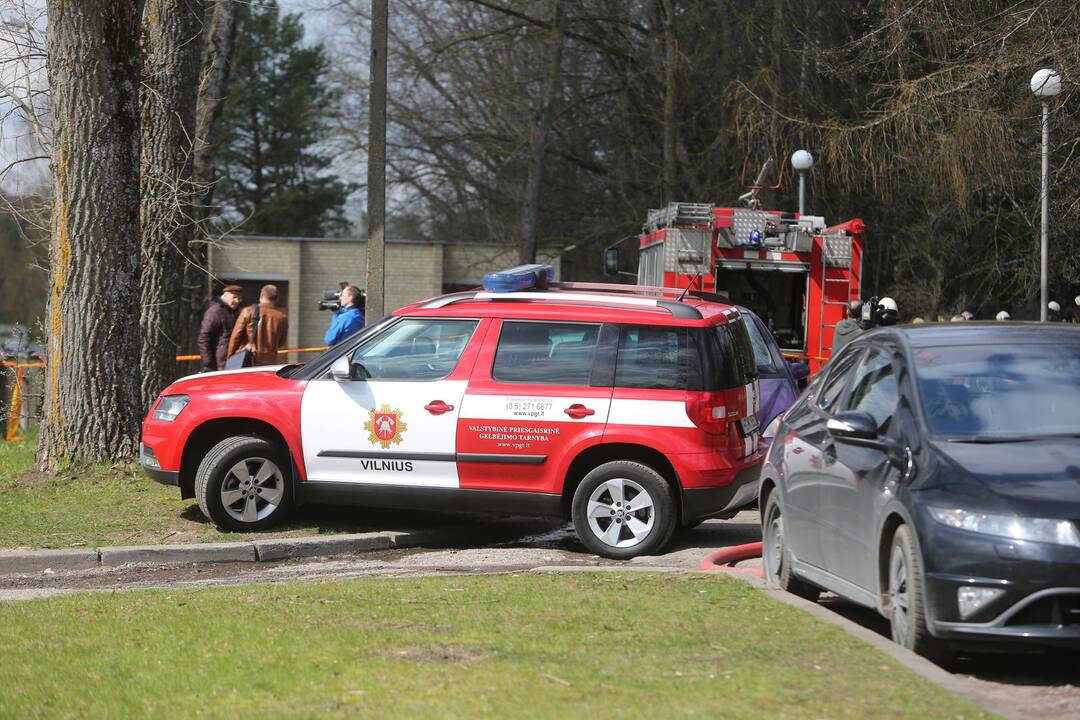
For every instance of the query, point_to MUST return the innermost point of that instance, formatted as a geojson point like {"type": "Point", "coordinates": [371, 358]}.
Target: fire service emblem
{"type": "Point", "coordinates": [385, 427]}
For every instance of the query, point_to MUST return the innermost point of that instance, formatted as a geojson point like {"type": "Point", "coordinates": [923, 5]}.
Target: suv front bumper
{"type": "Point", "coordinates": [149, 464]}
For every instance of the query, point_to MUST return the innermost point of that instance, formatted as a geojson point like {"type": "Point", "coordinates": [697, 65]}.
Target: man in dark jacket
{"type": "Point", "coordinates": [849, 328]}
{"type": "Point", "coordinates": [216, 328]}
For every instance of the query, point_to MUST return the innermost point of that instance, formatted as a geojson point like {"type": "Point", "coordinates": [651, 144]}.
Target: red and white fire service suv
{"type": "Point", "coordinates": [630, 410]}
{"type": "Point", "coordinates": [795, 273]}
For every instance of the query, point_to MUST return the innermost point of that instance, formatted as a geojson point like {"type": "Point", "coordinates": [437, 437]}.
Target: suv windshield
{"type": "Point", "coordinates": [987, 392]}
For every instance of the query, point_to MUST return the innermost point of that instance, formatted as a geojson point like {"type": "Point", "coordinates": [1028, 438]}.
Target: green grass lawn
{"type": "Point", "coordinates": [119, 505]}
{"type": "Point", "coordinates": [592, 646]}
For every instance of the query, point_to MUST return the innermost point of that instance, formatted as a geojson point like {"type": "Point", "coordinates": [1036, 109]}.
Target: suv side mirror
{"type": "Point", "coordinates": [611, 261]}
{"type": "Point", "coordinates": [799, 370]}
{"type": "Point", "coordinates": [341, 369]}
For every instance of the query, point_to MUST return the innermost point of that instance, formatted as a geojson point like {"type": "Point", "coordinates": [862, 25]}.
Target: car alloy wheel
{"type": "Point", "coordinates": [621, 513]}
{"type": "Point", "coordinates": [899, 595]}
{"type": "Point", "coordinates": [252, 489]}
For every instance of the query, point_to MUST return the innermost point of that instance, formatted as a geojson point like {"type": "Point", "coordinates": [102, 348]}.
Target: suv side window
{"type": "Point", "coordinates": [834, 384]}
{"type": "Point", "coordinates": [541, 353]}
{"type": "Point", "coordinates": [652, 357]}
{"type": "Point", "coordinates": [873, 389]}
{"type": "Point", "coordinates": [763, 355]}
{"type": "Point", "coordinates": [415, 349]}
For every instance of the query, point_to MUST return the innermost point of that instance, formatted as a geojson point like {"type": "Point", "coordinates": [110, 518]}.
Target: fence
{"type": "Point", "coordinates": [23, 391]}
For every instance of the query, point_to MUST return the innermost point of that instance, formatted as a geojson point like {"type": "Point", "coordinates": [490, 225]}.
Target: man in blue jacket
{"type": "Point", "coordinates": [349, 318]}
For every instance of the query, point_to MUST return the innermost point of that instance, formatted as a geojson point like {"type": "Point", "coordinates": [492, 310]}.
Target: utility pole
{"type": "Point", "coordinates": [376, 171]}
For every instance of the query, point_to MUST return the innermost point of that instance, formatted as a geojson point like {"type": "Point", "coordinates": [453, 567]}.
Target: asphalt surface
{"type": "Point", "coordinates": [1022, 686]}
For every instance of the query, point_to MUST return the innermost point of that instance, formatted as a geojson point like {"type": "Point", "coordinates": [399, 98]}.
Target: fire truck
{"type": "Point", "coordinates": [797, 274]}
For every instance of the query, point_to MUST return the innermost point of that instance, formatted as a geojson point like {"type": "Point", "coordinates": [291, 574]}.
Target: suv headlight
{"type": "Point", "coordinates": [169, 407]}
{"type": "Point", "coordinates": [1061, 532]}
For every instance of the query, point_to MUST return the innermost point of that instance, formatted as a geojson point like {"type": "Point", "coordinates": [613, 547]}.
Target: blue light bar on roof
{"type": "Point", "coordinates": [522, 277]}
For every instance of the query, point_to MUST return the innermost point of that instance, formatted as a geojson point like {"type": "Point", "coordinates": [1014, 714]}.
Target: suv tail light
{"type": "Point", "coordinates": [709, 411]}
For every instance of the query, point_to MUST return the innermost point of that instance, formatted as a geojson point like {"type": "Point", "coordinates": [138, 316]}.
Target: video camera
{"type": "Point", "coordinates": [332, 301]}
{"type": "Point", "coordinates": [875, 312]}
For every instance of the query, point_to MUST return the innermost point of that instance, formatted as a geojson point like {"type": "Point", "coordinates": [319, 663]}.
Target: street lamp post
{"type": "Point", "coordinates": [802, 161]}
{"type": "Point", "coordinates": [1045, 84]}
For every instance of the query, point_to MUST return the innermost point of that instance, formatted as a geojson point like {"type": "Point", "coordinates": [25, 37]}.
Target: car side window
{"type": "Point", "coordinates": [540, 353]}
{"type": "Point", "coordinates": [652, 357]}
{"type": "Point", "coordinates": [833, 387]}
{"type": "Point", "coordinates": [873, 388]}
{"type": "Point", "coordinates": [415, 349]}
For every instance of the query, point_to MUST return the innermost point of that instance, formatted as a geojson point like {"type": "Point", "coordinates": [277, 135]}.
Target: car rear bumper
{"type": "Point", "coordinates": [704, 503]}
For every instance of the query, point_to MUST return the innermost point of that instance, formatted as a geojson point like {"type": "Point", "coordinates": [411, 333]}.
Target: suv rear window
{"type": "Point", "coordinates": [652, 357]}
{"type": "Point", "coordinates": [538, 353]}
{"type": "Point", "coordinates": [727, 357]}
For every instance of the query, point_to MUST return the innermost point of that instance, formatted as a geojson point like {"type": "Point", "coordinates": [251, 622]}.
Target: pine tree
{"type": "Point", "coordinates": [274, 173]}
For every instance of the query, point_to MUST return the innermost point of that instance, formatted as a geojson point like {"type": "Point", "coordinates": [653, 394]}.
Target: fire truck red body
{"type": "Point", "coordinates": [794, 272]}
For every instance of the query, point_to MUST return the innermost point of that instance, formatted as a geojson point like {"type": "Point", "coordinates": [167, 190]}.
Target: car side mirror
{"type": "Point", "coordinates": [799, 370]}
{"type": "Point", "coordinates": [611, 261]}
{"type": "Point", "coordinates": [854, 426]}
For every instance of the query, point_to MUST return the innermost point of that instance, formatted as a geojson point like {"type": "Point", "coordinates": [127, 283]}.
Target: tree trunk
{"type": "Point", "coordinates": [538, 138]}
{"type": "Point", "coordinates": [669, 168]}
{"type": "Point", "coordinates": [92, 409]}
{"type": "Point", "coordinates": [170, 74]}
{"type": "Point", "coordinates": [217, 51]}
{"type": "Point", "coordinates": [376, 171]}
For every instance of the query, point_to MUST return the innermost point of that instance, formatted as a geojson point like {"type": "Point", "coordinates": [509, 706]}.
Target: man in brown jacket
{"type": "Point", "coordinates": [273, 329]}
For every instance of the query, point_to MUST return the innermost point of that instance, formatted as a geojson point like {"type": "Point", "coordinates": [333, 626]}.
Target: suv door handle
{"type": "Point", "coordinates": [578, 411]}
{"type": "Point", "coordinates": [438, 407]}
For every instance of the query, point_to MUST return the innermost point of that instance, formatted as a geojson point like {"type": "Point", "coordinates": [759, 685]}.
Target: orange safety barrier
{"type": "Point", "coordinates": [15, 409]}
{"type": "Point", "coordinates": [7, 363]}
{"type": "Point", "coordinates": [185, 358]}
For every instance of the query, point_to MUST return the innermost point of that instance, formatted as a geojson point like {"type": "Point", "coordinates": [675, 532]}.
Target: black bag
{"type": "Point", "coordinates": [246, 358]}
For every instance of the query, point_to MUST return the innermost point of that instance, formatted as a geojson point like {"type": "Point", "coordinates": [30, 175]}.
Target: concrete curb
{"type": "Point", "coordinates": [29, 561]}
{"type": "Point", "coordinates": [23, 562]}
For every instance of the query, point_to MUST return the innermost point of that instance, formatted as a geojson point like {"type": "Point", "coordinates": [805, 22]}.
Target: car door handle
{"type": "Point", "coordinates": [578, 411]}
{"type": "Point", "coordinates": [438, 407]}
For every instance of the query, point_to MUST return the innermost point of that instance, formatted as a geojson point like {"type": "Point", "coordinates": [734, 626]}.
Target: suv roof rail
{"type": "Point", "coordinates": [676, 309]}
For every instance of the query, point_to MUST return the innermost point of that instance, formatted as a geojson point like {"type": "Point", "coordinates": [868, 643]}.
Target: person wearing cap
{"type": "Point", "coordinates": [216, 327]}
{"type": "Point", "coordinates": [1003, 316]}
{"type": "Point", "coordinates": [1053, 311]}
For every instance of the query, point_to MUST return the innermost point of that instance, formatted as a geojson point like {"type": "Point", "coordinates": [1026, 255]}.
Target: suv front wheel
{"type": "Point", "coordinates": [623, 509]}
{"type": "Point", "coordinates": [243, 483]}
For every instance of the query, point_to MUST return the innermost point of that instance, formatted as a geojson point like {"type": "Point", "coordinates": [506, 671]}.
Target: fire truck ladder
{"type": "Point", "coordinates": [836, 253]}
{"type": "Point", "coordinates": [679, 214]}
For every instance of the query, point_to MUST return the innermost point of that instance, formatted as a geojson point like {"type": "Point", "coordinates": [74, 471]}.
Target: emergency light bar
{"type": "Point", "coordinates": [522, 277]}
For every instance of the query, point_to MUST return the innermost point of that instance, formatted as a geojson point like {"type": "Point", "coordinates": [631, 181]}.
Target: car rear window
{"type": "Point", "coordinates": [538, 353]}
{"type": "Point", "coordinates": [653, 357]}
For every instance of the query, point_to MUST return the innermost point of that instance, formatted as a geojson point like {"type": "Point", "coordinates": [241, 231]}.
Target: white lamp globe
{"type": "Point", "coordinates": [802, 160]}
{"type": "Point", "coordinates": [1046, 83]}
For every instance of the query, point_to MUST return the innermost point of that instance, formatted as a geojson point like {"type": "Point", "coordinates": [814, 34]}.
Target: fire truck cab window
{"type": "Point", "coordinates": [778, 298]}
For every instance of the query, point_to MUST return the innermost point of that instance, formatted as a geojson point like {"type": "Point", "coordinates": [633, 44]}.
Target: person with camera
{"type": "Point", "coordinates": [349, 319]}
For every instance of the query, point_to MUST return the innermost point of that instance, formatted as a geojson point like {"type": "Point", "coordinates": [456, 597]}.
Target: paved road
{"type": "Point", "coordinates": [1040, 686]}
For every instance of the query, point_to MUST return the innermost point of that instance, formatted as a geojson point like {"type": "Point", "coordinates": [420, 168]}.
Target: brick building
{"type": "Point", "coordinates": [305, 268]}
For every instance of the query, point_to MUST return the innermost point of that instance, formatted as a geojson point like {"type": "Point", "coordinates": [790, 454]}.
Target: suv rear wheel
{"type": "Point", "coordinates": [243, 483]}
{"type": "Point", "coordinates": [623, 509]}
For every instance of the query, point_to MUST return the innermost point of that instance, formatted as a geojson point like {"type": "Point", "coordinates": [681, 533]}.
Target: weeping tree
{"type": "Point", "coordinates": [92, 407]}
